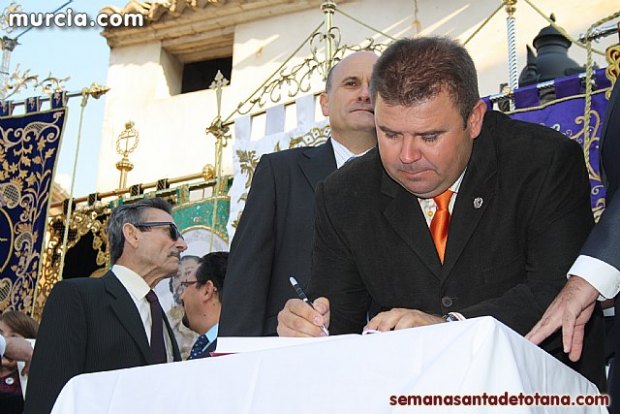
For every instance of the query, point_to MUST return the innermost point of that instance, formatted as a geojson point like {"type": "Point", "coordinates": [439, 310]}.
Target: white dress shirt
{"type": "Point", "coordinates": [138, 288]}
{"type": "Point", "coordinates": [429, 207]}
{"type": "Point", "coordinates": [2, 346]}
{"type": "Point", "coordinates": [604, 277]}
{"type": "Point", "coordinates": [342, 153]}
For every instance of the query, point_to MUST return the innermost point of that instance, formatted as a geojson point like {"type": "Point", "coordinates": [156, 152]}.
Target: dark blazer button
{"type": "Point", "coordinates": [446, 301]}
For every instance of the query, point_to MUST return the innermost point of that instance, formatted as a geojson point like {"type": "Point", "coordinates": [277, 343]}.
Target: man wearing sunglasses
{"type": "Point", "coordinates": [114, 322]}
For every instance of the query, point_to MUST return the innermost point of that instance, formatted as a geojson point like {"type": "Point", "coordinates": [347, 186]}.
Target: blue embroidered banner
{"type": "Point", "coordinates": [29, 146]}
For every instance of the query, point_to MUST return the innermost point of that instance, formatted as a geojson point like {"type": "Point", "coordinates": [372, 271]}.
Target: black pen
{"type": "Point", "coordinates": [302, 296]}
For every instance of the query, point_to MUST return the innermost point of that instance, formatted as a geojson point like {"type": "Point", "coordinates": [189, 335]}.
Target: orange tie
{"type": "Point", "coordinates": [441, 222]}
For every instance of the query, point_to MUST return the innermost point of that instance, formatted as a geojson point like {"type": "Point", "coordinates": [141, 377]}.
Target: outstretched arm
{"type": "Point", "coordinates": [571, 310]}
{"type": "Point", "coordinates": [573, 306]}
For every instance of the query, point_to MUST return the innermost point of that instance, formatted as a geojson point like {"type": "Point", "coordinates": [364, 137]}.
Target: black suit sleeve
{"type": "Point", "coordinates": [60, 349]}
{"type": "Point", "coordinates": [604, 239]}
{"type": "Point", "coordinates": [251, 258]}
{"type": "Point", "coordinates": [348, 296]}
{"type": "Point", "coordinates": [554, 233]}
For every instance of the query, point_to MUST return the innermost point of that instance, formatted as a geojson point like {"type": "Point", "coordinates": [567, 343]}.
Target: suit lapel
{"type": "Point", "coordinates": [125, 309]}
{"type": "Point", "coordinates": [176, 354]}
{"type": "Point", "coordinates": [609, 146]}
{"type": "Point", "coordinates": [475, 194]}
{"type": "Point", "coordinates": [317, 163]}
{"type": "Point", "coordinates": [404, 214]}
{"type": "Point", "coordinates": [211, 348]}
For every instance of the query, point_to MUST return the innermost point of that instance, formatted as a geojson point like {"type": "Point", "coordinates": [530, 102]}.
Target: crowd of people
{"type": "Point", "coordinates": [423, 207]}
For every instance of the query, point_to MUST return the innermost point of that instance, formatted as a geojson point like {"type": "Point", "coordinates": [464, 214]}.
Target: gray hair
{"type": "Point", "coordinates": [129, 213]}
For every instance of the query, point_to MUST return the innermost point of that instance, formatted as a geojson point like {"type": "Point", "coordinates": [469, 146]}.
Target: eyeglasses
{"type": "Point", "coordinates": [184, 285]}
{"type": "Point", "coordinates": [172, 228]}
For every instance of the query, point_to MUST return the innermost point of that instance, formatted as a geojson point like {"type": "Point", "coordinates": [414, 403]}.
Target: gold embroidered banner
{"type": "Point", "coordinates": [29, 146]}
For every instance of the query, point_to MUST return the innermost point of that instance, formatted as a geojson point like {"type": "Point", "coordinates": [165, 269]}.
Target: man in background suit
{"type": "Point", "coordinates": [201, 295]}
{"type": "Point", "coordinates": [461, 212]}
{"type": "Point", "coordinates": [596, 272]}
{"type": "Point", "coordinates": [274, 239]}
{"type": "Point", "coordinates": [92, 325]}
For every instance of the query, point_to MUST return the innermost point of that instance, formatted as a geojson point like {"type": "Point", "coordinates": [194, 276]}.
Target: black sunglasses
{"type": "Point", "coordinates": [172, 228]}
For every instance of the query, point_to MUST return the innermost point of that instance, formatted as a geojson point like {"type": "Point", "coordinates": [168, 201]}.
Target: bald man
{"type": "Point", "coordinates": [275, 233]}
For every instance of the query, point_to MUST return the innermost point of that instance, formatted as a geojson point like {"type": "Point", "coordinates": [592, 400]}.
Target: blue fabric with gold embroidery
{"type": "Point", "coordinates": [566, 114]}
{"type": "Point", "coordinates": [29, 146]}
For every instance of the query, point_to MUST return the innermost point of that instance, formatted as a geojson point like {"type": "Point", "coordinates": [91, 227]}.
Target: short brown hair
{"type": "Point", "coordinates": [20, 323]}
{"type": "Point", "coordinates": [411, 71]}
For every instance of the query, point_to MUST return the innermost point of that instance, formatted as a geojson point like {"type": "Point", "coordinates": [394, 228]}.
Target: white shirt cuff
{"type": "Point", "coordinates": [604, 277]}
{"type": "Point", "coordinates": [2, 345]}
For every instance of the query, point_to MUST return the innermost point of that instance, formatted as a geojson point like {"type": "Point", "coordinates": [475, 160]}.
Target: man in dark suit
{"type": "Point", "coordinates": [596, 272]}
{"type": "Point", "coordinates": [201, 295]}
{"type": "Point", "coordinates": [460, 212]}
{"type": "Point", "coordinates": [274, 239]}
{"type": "Point", "coordinates": [114, 322]}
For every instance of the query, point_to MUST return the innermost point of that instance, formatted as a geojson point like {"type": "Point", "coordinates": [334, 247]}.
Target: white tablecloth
{"type": "Point", "coordinates": [352, 374]}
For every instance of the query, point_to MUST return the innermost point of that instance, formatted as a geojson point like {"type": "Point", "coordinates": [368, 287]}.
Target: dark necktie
{"type": "Point", "coordinates": [158, 348]}
{"type": "Point", "coordinates": [201, 343]}
{"type": "Point", "coordinates": [441, 222]}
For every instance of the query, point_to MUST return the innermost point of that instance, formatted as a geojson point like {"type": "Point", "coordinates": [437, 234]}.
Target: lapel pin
{"type": "Point", "coordinates": [478, 202]}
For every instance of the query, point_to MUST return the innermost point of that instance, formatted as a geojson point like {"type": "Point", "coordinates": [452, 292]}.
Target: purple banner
{"type": "Point", "coordinates": [567, 116]}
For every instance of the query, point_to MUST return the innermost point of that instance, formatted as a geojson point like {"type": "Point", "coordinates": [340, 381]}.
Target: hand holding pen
{"type": "Point", "coordinates": [300, 317]}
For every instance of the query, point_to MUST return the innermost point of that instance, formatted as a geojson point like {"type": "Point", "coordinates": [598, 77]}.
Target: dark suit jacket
{"type": "Point", "coordinates": [274, 239]}
{"type": "Point", "coordinates": [604, 240]}
{"type": "Point", "coordinates": [88, 325]}
{"type": "Point", "coordinates": [507, 253]}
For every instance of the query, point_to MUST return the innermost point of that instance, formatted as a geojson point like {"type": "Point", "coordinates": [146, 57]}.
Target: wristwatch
{"type": "Point", "coordinates": [451, 317]}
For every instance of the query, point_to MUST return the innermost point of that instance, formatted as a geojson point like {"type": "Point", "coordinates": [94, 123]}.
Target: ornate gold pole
{"type": "Point", "coordinates": [219, 130]}
{"type": "Point", "coordinates": [329, 7]}
{"type": "Point", "coordinates": [221, 134]}
{"type": "Point", "coordinates": [96, 91]}
{"type": "Point", "coordinates": [8, 45]}
{"type": "Point", "coordinates": [417, 24]}
{"type": "Point", "coordinates": [124, 165]}
{"type": "Point", "coordinates": [513, 72]}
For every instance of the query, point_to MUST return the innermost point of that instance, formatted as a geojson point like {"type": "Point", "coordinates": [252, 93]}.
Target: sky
{"type": "Point", "coordinates": [82, 55]}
